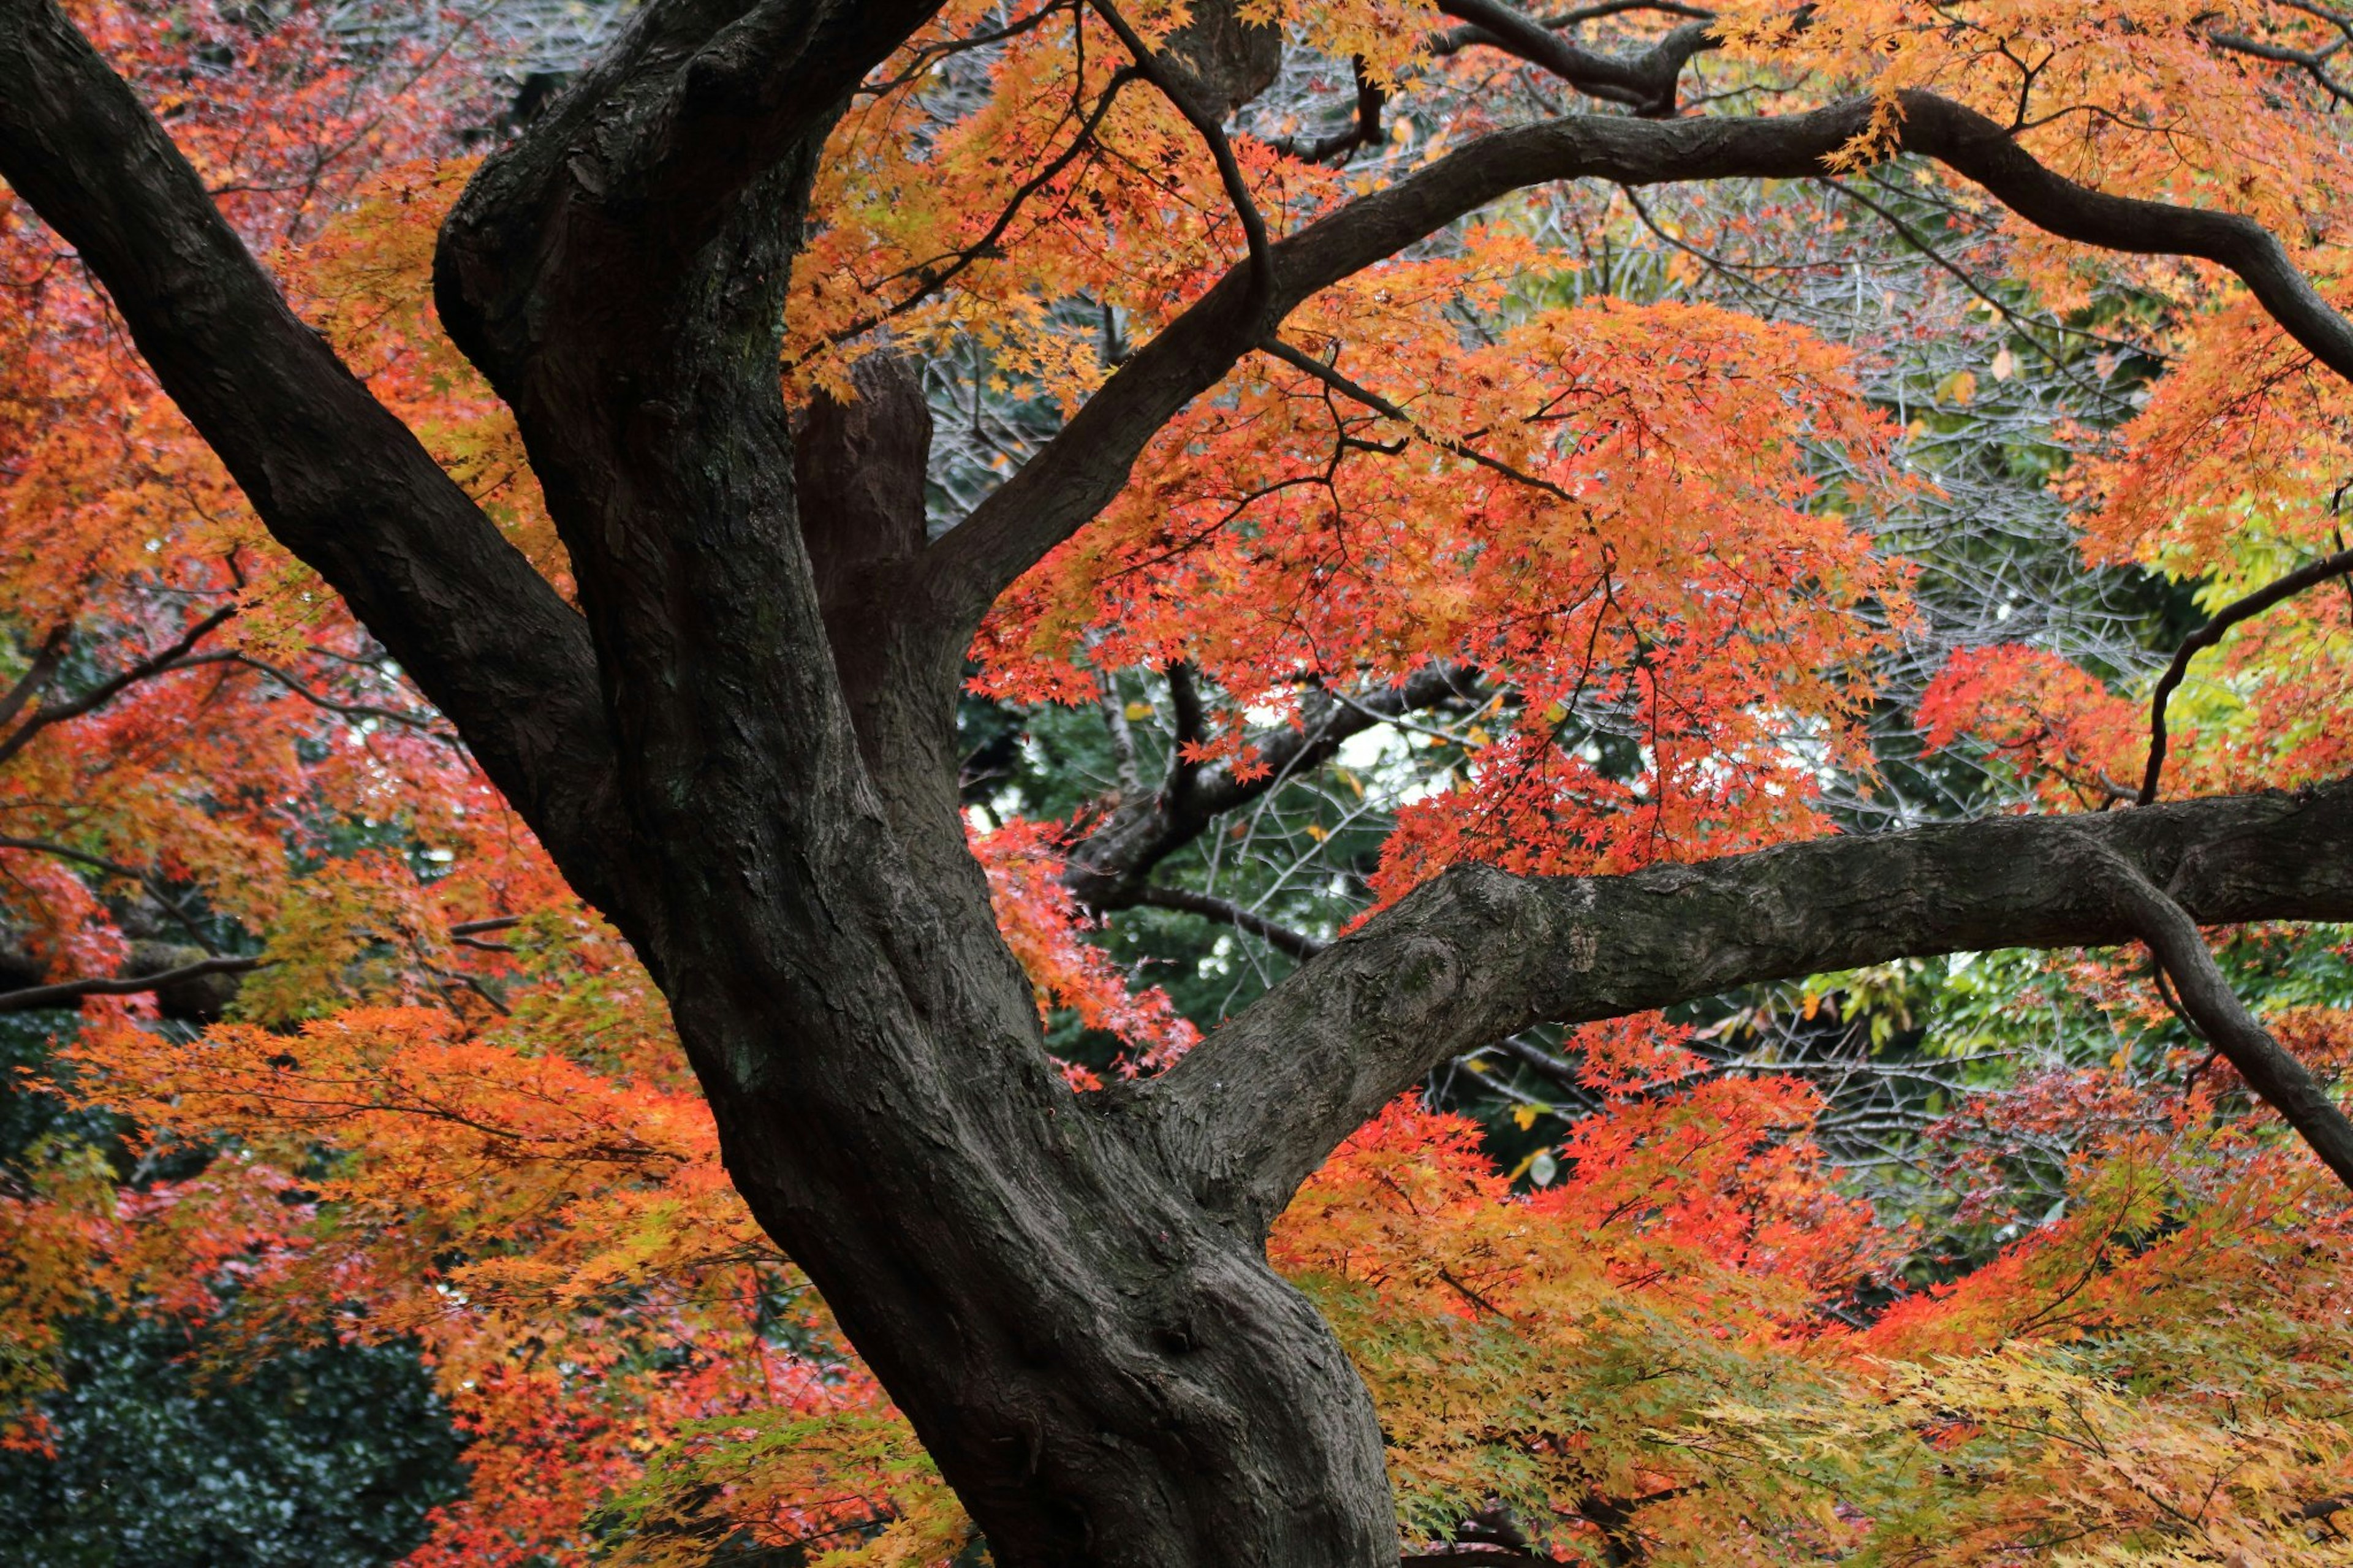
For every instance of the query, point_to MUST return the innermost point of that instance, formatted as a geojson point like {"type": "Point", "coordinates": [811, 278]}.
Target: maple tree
{"type": "Point", "coordinates": [557, 533]}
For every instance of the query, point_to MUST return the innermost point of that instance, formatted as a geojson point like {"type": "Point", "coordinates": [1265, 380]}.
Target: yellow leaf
{"type": "Point", "coordinates": [1139, 710]}
{"type": "Point", "coordinates": [2005, 365]}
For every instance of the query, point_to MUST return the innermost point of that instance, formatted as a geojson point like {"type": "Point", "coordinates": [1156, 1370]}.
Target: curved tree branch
{"type": "Point", "coordinates": [1078, 473]}
{"type": "Point", "coordinates": [1478, 954]}
{"type": "Point", "coordinates": [1275, 934]}
{"type": "Point", "coordinates": [2207, 999]}
{"type": "Point", "coordinates": [2209, 634]}
{"type": "Point", "coordinates": [1643, 82]}
{"type": "Point", "coordinates": [336, 477]}
{"type": "Point", "coordinates": [1230, 170]}
{"type": "Point", "coordinates": [66, 991]}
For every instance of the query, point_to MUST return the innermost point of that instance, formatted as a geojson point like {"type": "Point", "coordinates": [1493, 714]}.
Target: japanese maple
{"type": "Point", "coordinates": [482, 754]}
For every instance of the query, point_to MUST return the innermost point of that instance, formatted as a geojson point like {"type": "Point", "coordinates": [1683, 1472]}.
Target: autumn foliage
{"type": "Point", "coordinates": [445, 1108]}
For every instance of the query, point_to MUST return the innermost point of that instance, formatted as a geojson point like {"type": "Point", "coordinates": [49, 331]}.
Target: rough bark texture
{"type": "Point", "coordinates": [1478, 953]}
{"type": "Point", "coordinates": [740, 751]}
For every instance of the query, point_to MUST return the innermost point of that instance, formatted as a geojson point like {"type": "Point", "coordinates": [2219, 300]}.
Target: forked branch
{"type": "Point", "coordinates": [1078, 473]}
{"type": "Point", "coordinates": [105, 691]}
{"type": "Point", "coordinates": [1479, 954]}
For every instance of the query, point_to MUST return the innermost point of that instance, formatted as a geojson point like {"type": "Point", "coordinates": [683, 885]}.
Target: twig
{"type": "Point", "coordinates": [1281, 938]}
{"type": "Point", "coordinates": [2207, 636]}
{"type": "Point", "coordinates": [1372, 400]}
{"type": "Point", "coordinates": [1230, 169]}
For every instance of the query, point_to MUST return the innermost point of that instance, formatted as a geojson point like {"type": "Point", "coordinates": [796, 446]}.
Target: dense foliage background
{"type": "Point", "coordinates": [388, 1225]}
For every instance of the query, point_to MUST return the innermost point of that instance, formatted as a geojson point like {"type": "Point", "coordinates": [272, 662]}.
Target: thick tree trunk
{"type": "Point", "coordinates": [1106, 1371]}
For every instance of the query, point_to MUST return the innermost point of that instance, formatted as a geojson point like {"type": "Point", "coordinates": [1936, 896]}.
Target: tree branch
{"type": "Point", "coordinates": [66, 991]}
{"type": "Point", "coordinates": [2209, 634]}
{"type": "Point", "coordinates": [423, 723]}
{"type": "Point", "coordinates": [1107, 869]}
{"type": "Point", "coordinates": [2208, 1001]}
{"type": "Point", "coordinates": [107, 690]}
{"type": "Point", "coordinates": [337, 478]}
{"type": "Point", "coordinates": [1221, 152]}
{"type": "Point", "coordinates": [2313, 62]}
{"type": "Point", "coordinates": [1644, 82]}
{"type": "Point", "coordinates": [157, 888]}
{"type": "Point", "coordinates": [1275, 348]}
{"type": "Point", "coordinates": [1275, 934]}
{"type": "Point", "coordinates": [1078, 473]}
{"type": "Point", "coordinates": [45, 662]}
{"type": "Point", "coordinates": [1478, 953]}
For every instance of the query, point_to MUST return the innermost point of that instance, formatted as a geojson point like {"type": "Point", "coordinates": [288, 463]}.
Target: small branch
{"type": "Point", "coordinates": [350, 710]}
{"type": "Point", "coordinates": [1123, 735]}
{"type": "Point", "coordinates": [1281, 938]}
{"type": "Point", "coordinates": [46, 659]}
{"type": "Point", "coordinates": [2206, 997]}
{"type": "Point", "coordinates": [1584, 13]}
{"type": "Point", "coordinates": [1921, 244]}
{"type": "Point", "coordinates": [2313, 62]}
{"type": "Point", "coordinates": [1230, 169]}
{"type": "Point", "coordinates": [65, 991]}
{"type": "Point", "coordinates": [1185, 698]}
{"type": "Point", "coordinates": [1107, 869]}
{"type": "Point", "coordinates": [1645, 83]}
{"type": "Point", "coordinates": [1372, 400]}
{"type": "Point", "coordinates": [157, 888]}
{"type": "Point", "coordinates": [107, 690]}
{"type": "Point", "coordinates": [2207, 636]}
{"type": "Point", "coordinates": [470, 933]}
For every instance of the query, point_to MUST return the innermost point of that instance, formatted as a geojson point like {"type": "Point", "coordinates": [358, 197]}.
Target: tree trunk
{"type": "Point", "coordinates": [1106, 1370]}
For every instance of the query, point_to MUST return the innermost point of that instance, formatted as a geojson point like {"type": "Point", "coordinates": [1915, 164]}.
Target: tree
{"type": "Point", "coordinates": [741, 747]}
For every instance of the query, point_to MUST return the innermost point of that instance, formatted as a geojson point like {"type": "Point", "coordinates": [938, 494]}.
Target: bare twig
{"type": "Point", "coordinates": [1280, 937]}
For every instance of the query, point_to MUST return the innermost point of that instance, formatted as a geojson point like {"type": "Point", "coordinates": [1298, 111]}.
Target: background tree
{"type": "Point", "coordinates": [1391, 465]}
